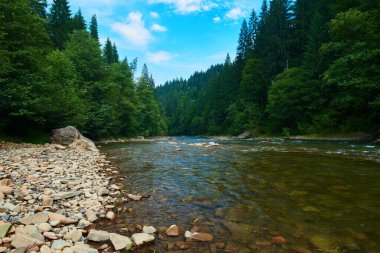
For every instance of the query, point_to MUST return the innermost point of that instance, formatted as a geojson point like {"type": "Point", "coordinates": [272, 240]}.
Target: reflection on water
{"type": "Point", "coordinates": [319, 196]}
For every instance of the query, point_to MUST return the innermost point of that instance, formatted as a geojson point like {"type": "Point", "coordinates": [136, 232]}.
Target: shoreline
{"type": "Point", "coordinates": [338, 138]}
{"type": "Point", "coordinates": [62, 199]}
{"type": "Point", "coordinates": [55, 198]}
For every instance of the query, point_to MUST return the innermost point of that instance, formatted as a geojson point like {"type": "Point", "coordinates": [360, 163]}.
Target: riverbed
{"type": "Point", "coordinates": [261, 196]}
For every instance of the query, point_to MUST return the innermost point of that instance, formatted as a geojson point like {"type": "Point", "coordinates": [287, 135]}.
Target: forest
{"type": "Point", "coordinates": [301, 67]}
{"type": "Point", "coordinates": [54, 72]}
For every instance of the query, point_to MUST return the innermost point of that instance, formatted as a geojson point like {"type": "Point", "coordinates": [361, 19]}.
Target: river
{"type": "Point", "coordinates": [318, 196]}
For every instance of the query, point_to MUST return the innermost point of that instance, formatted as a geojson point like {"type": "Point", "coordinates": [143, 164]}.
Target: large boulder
{"type": "Point", "coordinates": [65, 136]}
{"type": "Point", "coordinates": [71, 136]}
{"type": "Point", "coordinates": [245, 135]}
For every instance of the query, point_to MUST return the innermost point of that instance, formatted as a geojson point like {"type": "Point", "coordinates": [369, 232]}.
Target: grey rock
{"type": "Point", "coordinates": [82, 248]}
{"type": "Point", "coordinates": [149, 229]}
{"type": "Point", "coordinates": [35, 219]}
{"type": "Point", "coordinates": [20, 250]}
{"type": "Point", "coordinates": [83, 223]}
{"type": "Point", "coordinates": [98, 236]}
{"type": "Point", "coordinates": [121, 242]}
{"type": "Point", "coordinates": [65, 195]}
{"type": "Point", "coordinates": [60, 244]}
{"type": "Point", "coordinates": [23, 240]}
{"type": "Point", "coordinates": [91, 215]}
{"type": "Point", "coordinates": [141, 238]}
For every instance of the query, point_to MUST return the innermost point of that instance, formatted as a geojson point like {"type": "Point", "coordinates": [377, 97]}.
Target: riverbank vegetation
{"type": "Point", "coordinates": [302, 67]}
{"type": "Point", "coordinates": [54, 72]}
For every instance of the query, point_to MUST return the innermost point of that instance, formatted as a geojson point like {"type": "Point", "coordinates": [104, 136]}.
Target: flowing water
{"type": "Point", "coordinates": [318, 196]}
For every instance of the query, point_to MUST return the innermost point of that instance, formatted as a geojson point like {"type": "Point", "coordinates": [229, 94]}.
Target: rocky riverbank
{"type": "Point", "coordinates": [53, 197]}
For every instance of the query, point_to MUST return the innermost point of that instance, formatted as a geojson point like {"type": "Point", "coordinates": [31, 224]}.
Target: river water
{"type": "Point", "coordinates": [319, 196]}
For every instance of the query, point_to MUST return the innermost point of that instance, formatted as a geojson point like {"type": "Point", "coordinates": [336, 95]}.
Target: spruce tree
{"type": "Point", "coordinates": [94, 28]}
{"type": "Point", "coordinates": [108, 52]}
{"type": "Point", "coordinates": [253, 26]}
{"type": "Point", "coordinates": [78, 21]}
{"type": "Point", "coordinates": [60, 22]}
{"type": "Point", "coordinates": [244, 42]}
{"type": "Point", "coordinates": [115, 54]}
{"type": "Point", "coordinates": [39, 7]}
{"type": "Point", "coordinates": [24, 42]}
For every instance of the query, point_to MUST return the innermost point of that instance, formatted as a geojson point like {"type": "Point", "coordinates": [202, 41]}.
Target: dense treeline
{"type": "Point", "coordinates": [55, 73]}
{"type": "Point", "coordinates": [302, 67]}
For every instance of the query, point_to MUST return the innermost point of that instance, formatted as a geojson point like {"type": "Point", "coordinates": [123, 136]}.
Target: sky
{"type": "Point", "coordinates": [174, 38]}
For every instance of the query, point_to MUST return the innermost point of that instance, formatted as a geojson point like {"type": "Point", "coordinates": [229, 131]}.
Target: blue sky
{"type": "Point", "coordinates": [173, 37]}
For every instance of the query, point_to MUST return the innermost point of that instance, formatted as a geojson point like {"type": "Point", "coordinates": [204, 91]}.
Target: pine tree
{"type": "Point", "coordinates": [108, 52]}
{"type": "Point", "coordinates": [39, 7]}
{"type": "Point", "coordinates": [115, 54]}
{"type": "Point", "coordinates": [244, 42]}
{"type": "Point", "coordinates": [311, 58]}
{"type": "Point", "coordinates": [253, 26]}
{"type": "Point", "coordinates": [24, 42]}
{"type": "Point", "coordinates": [60, 22]}
{"type": "Point", "coordinates": [227, 61]}
{"type": "Point", "coordinates": [263, 14]}
{"type": "Point", "coordinates": [78, 22]}
{"type": "Point", "coordinates": [94, 28]}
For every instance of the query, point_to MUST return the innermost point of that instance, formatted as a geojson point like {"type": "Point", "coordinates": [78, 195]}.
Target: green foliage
{"type": "Point", "coordinates": [42, 89]}
{"type": "Point", "coordinates": [78, 22]}
{"type": "Point", "coordinates": [85, 53]}
{"type": "Point", "coordinates": [60, 91]}
{"type": "Point", "coordinates": [354, 73]}
{"type": "Point", "coordinates": [94, 28]}
{"type": "Point", "coordinates": [301, 67]}
{"type": "Point", "coordinates": [60, 22]}
{"type": "Point", "coordinates": [293, 99]}
{"type": "Point", "coordinates": [23, 44]}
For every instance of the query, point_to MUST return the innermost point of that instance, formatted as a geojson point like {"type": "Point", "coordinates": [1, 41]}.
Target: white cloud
{"type": "Point", "coordinates": [154, 14]}
{"type": "Point", "coordinates": [216, 19]}
{"type": "Point", "coordinates": [159, 57]}
{"type": "Point", "coordinates": [134, 30]}
{"type": "Point", "coordinates": [235, 14]}
{"type": "Point", "coordinates": [187, 6]}
{"type": "Point", "coordinates": [158, 28]}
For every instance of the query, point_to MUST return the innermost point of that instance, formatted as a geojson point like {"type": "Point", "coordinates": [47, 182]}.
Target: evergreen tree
{"type": "Point", "coordinates": [263, 15]}
{"type": "Point", "coordinates": [253, 26]}
{"type": "Point", "coordinates": [85, 54]}
{"type": "Point", "coordinates": [115, 54]}
{"type": "Point", "coordinates": [78, 22]}
{"type": "Point", "coordinates": [108, 57]}
{"type": "Point", "coordinates": [94, 28]}
{"type": "Point", "coordinates": [61, 92]}
{"type": "Point", "coordinates": [39, 7]}
{"type": "Point", "coordinates": [60, 22]}
{"type": "Point", "coordinates": [23, 44]}
{"type": "Point", "coordinates": [244, 43]}
{"type": "Point", "coordinates": [133, 65]}
{"type": "Point", "coordinates": [150, 117]}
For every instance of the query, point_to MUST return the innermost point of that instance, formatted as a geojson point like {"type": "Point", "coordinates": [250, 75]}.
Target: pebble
{"type": "Point", "coordinates": [40, 178]}
{"type": "Point", "coordinates": [173, 230]}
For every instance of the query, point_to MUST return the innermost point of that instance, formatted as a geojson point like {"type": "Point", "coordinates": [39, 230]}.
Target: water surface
{"type": "Point", "coordinates": [319, 196]}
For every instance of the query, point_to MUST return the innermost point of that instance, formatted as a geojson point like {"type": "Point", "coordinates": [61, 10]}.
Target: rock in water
{"type": "Point", "coordinates": [245, 135]}
{"type": "Point", "coordinates": [173, 231]}
{"type": "Point", "coordinates": [98, 236]}
{"type": "Point", "coordinates": [121, 242]}
{"type": "Point", "coordinates": [141, 238]}
{"type": "Point", "coordinates": [149, 230]}
{"type": "Point", "coordinates": [203, 237]}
